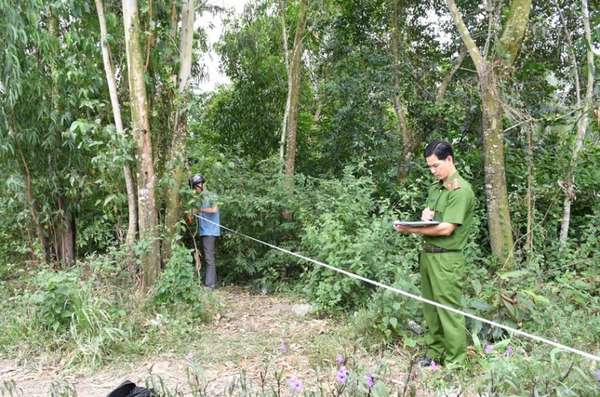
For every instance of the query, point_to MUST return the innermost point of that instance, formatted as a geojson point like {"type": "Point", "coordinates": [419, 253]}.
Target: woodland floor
{"type": "Point", "coordinates": [241, 343]}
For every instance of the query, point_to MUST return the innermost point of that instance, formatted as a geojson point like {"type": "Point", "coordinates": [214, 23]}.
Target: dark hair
{"type": "Point", "coordinates": [441, 149]}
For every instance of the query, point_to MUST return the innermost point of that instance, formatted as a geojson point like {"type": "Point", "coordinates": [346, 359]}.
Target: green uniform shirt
{"type": "Point", "coordinates": [453, 202]}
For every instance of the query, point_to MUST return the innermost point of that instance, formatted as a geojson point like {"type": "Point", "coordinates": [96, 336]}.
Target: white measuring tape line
{"type": "Point", "coordinates": [416, 297]}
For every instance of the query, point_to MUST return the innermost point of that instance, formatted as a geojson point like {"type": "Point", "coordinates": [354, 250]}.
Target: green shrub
{"type": "Point", "coordinates": [57, 299]}
{"type": "Point", "coordinates": [351, 230]}
{"type": "Point", "coordinates": [177, 285]}
{"type": "Point", "coordinates": [71, 315]}
{"type": "Point", "coordinates": [512, 370]}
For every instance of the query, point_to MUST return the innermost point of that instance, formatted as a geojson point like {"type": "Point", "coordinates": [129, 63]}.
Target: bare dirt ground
{"type": "Point", "coordinates": [254, 335]}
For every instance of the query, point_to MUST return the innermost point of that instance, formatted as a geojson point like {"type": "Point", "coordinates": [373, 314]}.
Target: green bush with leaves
{"type": "Point", "coordinates": [57, 299]}
{"type": "Point", "coordinates": [351, 230]}
{"type": "Point", "coordinates": [177, 284]}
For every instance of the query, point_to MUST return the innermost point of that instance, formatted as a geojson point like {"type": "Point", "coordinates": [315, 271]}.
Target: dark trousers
{"type": "Point", "coordinates": [208, 251]}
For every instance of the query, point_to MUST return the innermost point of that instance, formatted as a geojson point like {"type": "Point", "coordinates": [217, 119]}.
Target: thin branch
{"type": "Point", "coordinates": [441, 92]}
{"type": "Point", "coordinates": [466, 36]}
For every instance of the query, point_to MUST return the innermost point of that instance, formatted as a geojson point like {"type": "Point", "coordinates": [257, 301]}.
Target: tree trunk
{"type": "Point", "coordinates": [404, 131]}
{"type": "Point", "coordinates": [294, 90]}
{"type": "Point", "coordinates": [148, 219]}
{"type": "Point", "coordinates": [509, 45]}
{"type": "Point", "coordinates": [178, 147]}
{"type": "Point", "coordinates": [441, 91]}
{"type": "Point", "coordinates": [530, 196]}
{"type": "Point", "coordinates": [66, 233]}
{"type": "Point", "coordinates": [39, 230]}
{"type": "Point", "coordinates": [582, 123]}
{"type": "Point", "coordinates": [65, 238]}
{"type": "Point", "coordinates": [116, 110]}
{"type": "Point", "coordinates": [286, 113]}
{"type": "Point", "coordinates": [499, 224]}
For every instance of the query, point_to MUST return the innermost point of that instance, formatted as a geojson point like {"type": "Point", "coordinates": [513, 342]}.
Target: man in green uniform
{"type": "Point", "coordinates": [450, 202]}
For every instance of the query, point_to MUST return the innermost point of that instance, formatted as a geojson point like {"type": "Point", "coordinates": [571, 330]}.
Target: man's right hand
{"type": "Point", "coordinates": [427, 215]}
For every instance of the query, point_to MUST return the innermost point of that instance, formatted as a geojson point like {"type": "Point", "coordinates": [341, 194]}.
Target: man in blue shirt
{"type": "Point", "coordinates": [208, 226]}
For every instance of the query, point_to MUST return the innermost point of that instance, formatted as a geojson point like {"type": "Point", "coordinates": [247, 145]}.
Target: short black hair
{"type": "Point", "coordinates": [441, 149]}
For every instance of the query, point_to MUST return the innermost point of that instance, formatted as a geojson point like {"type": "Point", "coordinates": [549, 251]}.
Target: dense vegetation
{"type": "Point", "coordinates": [355, 89]}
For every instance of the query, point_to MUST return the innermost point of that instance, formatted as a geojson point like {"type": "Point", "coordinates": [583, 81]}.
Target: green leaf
{"type": "Point", "coordinates": [513, 274]}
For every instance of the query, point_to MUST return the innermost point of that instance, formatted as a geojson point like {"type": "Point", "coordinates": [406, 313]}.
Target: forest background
{"type": "Point", "coordinates": [315, 145]}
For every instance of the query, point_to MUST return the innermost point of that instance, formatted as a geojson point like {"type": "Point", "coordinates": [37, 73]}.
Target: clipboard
{"type": "Point", "coordinates": [416, 223]}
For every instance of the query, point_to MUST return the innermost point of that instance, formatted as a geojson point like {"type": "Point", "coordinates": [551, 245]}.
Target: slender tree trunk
{"type": "Point", "coordinates": [441, 91]}
{"type": "Point", "coordinates": [582, 123]}
{"type": "Point", "coordinates": [116, 110]}
{"type": "Point", "coordinates": [294, 92]}
{"type": "Point", "coordinates": [66, 219]}
{"type": "Point", "coordinates": [404, 131]}
{"type": "Point", "coordinates": [178, 148]}
{"type": "Point", "coordinates": [530, 197]}
{"type": "Point", "coordinates": [39, 230]}
{"type": "Point", "coordinates": [66, 233]}
{"type": "Point", "coordinates": [286, 113]}
{"type": "Point", "coordinates": [152, 36]}
{"type": "Point", "coordinates": [148, 219]}
{"type": "Point", "coordinates": [499, 224]}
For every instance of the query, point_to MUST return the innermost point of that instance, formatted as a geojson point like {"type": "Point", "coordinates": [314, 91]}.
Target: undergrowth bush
{"type": "Point", "coordinates": [57, 299]}
{"type": "Point", "coordinates": [89, 315]}
{"type": "Point", "coordinates": [352, 230]}
{"type": "Point", "coordinates": [178, 286]}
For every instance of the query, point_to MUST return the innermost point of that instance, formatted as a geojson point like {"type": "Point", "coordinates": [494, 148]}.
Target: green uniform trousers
{"type": "Point", "coordinates": [442, 277]}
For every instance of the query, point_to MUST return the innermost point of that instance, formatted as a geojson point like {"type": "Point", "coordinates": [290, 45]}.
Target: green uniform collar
{"type": "Point", "coordinates": [452, 182]}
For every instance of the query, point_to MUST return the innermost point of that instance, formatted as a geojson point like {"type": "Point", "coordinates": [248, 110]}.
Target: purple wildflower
{"type": "Point", "coordinates": [509, 351]}
{"type": "Point", "coordinates": [189, 357]}
{"type": "Point", "coordinates": [434, 367]}
{"type": "Point", "coordinates": [340, 360]}
{"type": "Point", "coordinates": [370, 381]}
{"type": "Point", "coordinates": [283, 348]}
{"type": "Point", "coordinates": [489, 349]}
{"type": "Point", "coordinates": [295, 384]}
{"type": "Point", "coordinates": [342, 375]}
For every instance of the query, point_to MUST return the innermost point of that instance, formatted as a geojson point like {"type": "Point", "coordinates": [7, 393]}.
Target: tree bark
{"type": "Point", "coordinates": [509, 45]}
{"type": "Point", "coordinates": [499, 223]}
{"type": "Point", "coordinates": [286, 113]}
{"type": "Point", "coordinates": [178, 148]}
{"type": "Point", "coordinates": [39, 230]}
{"type": "Point", "coordinates": [294, 90]}
{"type": "Point", "coordinates": [116, 110]}
{"type": "Point", "coordinates": [148, 219]}
{"type": "Point", "coordinates": [65, 238]}
{"type": "Point", "coordinates": [66, 233]}
{"type": "Point", "coordinates": [530, 197]}
{"type": "Point", "coordinates": [402, 127]}
{"type": "Point", "coordinates": [582, 123]}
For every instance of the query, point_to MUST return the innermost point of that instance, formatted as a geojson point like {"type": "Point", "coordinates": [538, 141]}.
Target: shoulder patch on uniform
{"type": "Point", "coordinates": [454, 185]}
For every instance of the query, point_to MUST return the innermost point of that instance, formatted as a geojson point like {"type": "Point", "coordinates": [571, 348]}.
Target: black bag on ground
{"type": "Point", "coordinates": [129, 389]}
